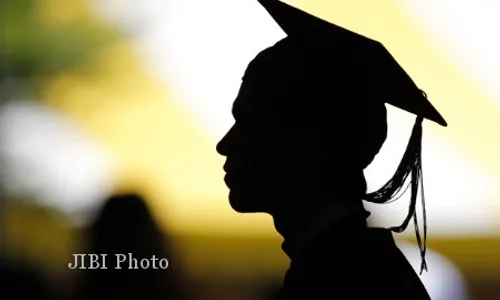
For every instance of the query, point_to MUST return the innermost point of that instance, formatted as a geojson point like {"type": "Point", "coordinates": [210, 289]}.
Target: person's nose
{"type": "Point", "coordinates": [224, 145]}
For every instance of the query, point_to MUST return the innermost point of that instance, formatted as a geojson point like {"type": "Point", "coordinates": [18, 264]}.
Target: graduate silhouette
{"type": "Point", "coordinates": [310, 116]}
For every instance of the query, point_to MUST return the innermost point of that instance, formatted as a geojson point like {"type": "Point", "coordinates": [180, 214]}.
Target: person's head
{"type": "Point", "coordinates": [310, 117]}
{"type": "Point", "coordinates": [127, 225]}
{"type": "Point", "coordinates": [299, 133]}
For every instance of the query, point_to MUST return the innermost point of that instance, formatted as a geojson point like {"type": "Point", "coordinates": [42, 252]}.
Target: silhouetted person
{"type": "Point", "coordinates": [125, 226]}
{"type": "Point", "coordinates": [310, 116]}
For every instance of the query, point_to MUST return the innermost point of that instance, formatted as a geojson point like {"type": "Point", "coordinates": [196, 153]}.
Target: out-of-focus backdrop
{"type": "Point", "coordinates": [102, 97]}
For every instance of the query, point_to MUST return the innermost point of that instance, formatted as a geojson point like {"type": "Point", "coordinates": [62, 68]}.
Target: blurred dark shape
{"type": "Point", "coordinates": [22, 282]}
{"type": "Point", "coordinates": [17, 280]}
{"type": "Point", "coordinates": [124, 226]}
{"type": "Point", "coordinates": [271, 289]}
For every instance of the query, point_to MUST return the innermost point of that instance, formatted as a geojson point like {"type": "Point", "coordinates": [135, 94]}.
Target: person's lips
{"type": "Point", "coordinates": [231, 178]}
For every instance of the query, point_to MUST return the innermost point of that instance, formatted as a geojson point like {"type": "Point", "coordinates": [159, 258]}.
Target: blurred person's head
{"type": "Point", "coordinates": [125, 225]}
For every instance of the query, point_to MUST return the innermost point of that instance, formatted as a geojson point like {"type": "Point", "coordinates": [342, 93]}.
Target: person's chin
{"type": "Point", "coordinates": [243, 204]}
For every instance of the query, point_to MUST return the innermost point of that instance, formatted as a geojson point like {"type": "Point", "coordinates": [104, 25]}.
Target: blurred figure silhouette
{"type": "Point", "coordinates": [19, 279]}
{"type": "Point", "coordinates": [125, 226]}
{"type": "Point", "coordinates": [22, 283]}
{"type": "Point", "coordinates": [270, 290]}
{"type": "Point", "coordinates": [310, 116]}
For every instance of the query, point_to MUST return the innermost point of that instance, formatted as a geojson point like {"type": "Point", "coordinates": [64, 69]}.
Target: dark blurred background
{"type": "Point", "coordinates": [104, 99]}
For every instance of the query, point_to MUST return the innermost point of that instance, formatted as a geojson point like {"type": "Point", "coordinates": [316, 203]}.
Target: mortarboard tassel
{"type": "Point", "coordinates": [411, 163]}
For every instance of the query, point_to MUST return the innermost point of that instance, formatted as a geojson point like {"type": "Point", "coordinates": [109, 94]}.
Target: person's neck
{"type": "Point", "coordinates": [289, 221]}
{"type": "Point", "coordinates": [293, 223]}
{"type": "Point", "coordinates": [287, 224]}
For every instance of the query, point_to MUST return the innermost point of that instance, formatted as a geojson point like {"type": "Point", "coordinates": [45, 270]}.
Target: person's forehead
{"type": "Point", "coordinates": [257, 101]}
{"type": "Point", "coordinates": [250, 95]}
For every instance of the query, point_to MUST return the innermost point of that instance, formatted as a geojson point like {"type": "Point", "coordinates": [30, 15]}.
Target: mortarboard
{"type": "Point", "coordinates": [396, 84]}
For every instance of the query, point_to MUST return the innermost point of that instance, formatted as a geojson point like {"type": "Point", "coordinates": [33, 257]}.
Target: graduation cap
{"type": "Point", "coordinates": [398, 88]}
{"type": "Point", "coordinates": [402, 92]}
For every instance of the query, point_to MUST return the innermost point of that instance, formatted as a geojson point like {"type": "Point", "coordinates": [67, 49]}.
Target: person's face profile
{"type": "Point", "coordinates": [267, 157]}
